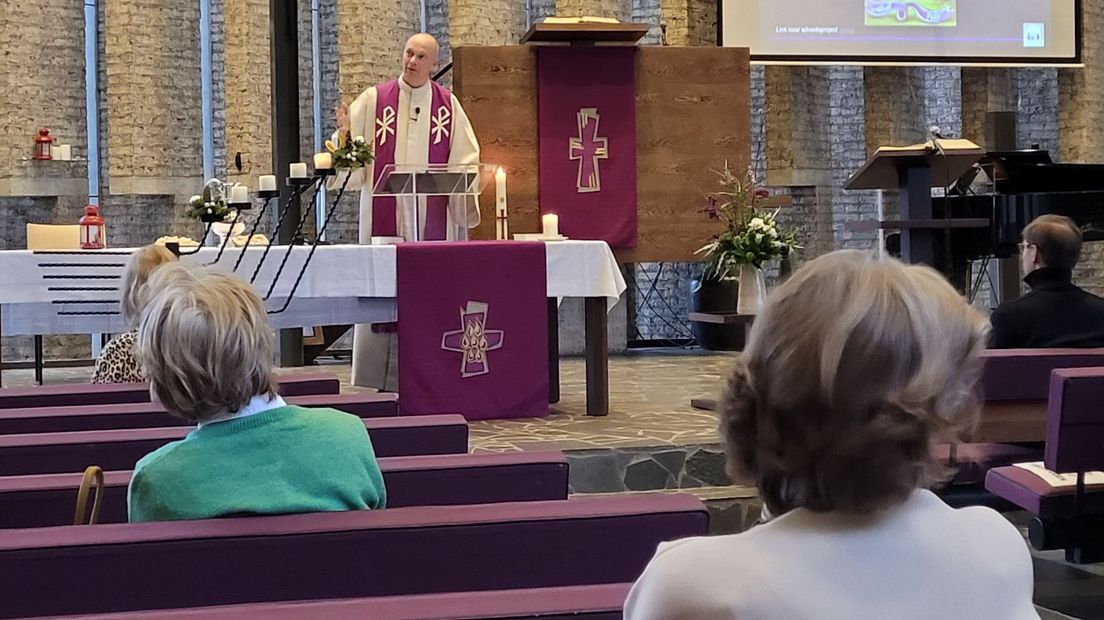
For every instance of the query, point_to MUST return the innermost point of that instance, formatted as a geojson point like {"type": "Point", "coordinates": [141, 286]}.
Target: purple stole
{"type": "Point", "coordinates": [384, 222]}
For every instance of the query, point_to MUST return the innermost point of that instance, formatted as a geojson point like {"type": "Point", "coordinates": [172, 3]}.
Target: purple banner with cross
{"type": "Point", "coordinates": [586, 109]}
{"type": "Point", "coordinates": [473, 329]}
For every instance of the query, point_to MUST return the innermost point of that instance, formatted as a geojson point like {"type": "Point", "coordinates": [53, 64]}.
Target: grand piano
{"type": "Point", "coordinates": [987, 208]}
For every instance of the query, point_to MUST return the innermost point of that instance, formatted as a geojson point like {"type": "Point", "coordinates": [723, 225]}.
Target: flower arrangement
{"type": "Point", "coordinates": [211, 205]}
{"type": "Point", "coordinates": [751, 236]}
{"type": "Point", "coordinates": [351, 153]}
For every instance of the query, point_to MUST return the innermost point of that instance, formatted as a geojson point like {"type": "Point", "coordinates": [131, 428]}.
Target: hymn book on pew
{"type": "Point", "coordinates": [1061, 481]}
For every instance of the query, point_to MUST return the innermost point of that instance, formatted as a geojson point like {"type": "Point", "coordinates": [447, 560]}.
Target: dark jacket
{"type": "Point", "coordinates": [1055, 314]}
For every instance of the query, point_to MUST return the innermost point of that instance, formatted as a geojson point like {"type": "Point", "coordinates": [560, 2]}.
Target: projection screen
{"type": "Point", "coordinates": [925, 31]}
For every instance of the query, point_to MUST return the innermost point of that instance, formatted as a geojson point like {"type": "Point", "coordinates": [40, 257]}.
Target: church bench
{"type": "Point", "coordinates": [1013, 390]}
{"type": "Point", "coordinates": [47, 500]}
{"type": "Point", "coordinates": [71, 394]}
{"type": "Point", "coordinates": [1014, 386]}
{"type": "Point", "coordinates": [47, 453]}
{"type": "Point", "coordinates": [594, 602]}
{"type": "Point", "coordinates": [1068, 510]}
{"type": "Point", "coordinates": [401, 551]}
{"type": "Point", "coordinates": [153, 415]}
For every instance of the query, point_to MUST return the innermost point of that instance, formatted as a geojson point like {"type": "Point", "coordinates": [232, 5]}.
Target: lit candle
{"type": "Point", "coordinates": [550, 222]}
{"type": "Point", "coordinates": [267, 182]}
{"type": "Point", "coordinates": [323, 161]}
{"type": "Point", "coordinates": [66, 152]}
{"type": "Point", "coordinates": [298, 170]}
{"type": "Point", "coordinates": [239, 194]}
{"type": "Point", "coordinates": [500, 204]}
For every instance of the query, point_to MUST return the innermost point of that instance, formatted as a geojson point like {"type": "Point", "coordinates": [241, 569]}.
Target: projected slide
{"type": "Point", "coordinates": [915, 13]}
{"type": "Point", "coordinates": [1019, 31]}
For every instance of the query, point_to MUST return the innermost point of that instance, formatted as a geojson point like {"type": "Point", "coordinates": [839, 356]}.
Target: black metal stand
{"type": "Point", "coordinates": [238, 208]}
{"type": "Point", "coordinates": [314, 246]}
{"type": "Point", "coordinates": [321, 175]}
{"type": "Point", "coordinates": [268, 195]}
{"type": "Point", "coordinates": [298, 185]}
{"type": "Point", "coordinates": [175, 248]}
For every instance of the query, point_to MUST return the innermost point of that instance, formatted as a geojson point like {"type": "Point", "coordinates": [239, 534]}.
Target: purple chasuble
{"type": "Point", "coordinates": [384, 221]}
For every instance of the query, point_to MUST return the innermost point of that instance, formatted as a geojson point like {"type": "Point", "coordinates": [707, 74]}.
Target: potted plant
{"type": "Point", "coordinates": [751, 236]}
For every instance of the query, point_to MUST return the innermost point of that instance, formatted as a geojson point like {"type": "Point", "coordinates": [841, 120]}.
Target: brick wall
{"type": "Point", "coordinates": [595, 8]}
{"type": "Point", "coordinates": [486, 22]}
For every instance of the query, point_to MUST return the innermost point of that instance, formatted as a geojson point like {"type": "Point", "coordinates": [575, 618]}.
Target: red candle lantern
{"type": "Point", "coordinates": [43, 142]}
{"type": "Point", "coordinates": [92, 229]}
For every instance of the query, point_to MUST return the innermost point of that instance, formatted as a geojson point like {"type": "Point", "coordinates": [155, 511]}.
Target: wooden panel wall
{"type": "Point", "coordinates": [692, 113]}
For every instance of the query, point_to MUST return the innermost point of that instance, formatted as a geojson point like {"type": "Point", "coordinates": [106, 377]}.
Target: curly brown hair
{"type": "Point", "coordinates": [853, 368]}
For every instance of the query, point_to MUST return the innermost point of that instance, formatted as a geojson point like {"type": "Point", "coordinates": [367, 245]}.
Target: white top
{"type": "Point", "coordinates": [921, 559]}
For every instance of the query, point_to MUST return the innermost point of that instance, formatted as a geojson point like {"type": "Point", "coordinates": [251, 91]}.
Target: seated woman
{"type": "Point", "coordinates": [206, 347]}
{"type": "Point", "coordinates": [854, 367]}
{"type": "Point", "coordinates": [117, 363]}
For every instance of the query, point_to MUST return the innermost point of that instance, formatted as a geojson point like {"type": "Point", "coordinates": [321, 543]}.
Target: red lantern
{"type": "Point", "coordinates": [43, 142]}
{"type": "Point", "coordinates": [92, 229]}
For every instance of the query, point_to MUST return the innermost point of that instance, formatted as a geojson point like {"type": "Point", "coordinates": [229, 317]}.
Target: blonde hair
{"type": "Point", "coordinates": [138, 269]}
{"type": "Point", "coordinates": [852, 369]}
{"type": "Point", "coordinates": [204, 342]}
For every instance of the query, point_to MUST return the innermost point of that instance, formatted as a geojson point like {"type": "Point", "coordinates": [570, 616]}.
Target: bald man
{"type": "Point", "coordinates": [411, 121]}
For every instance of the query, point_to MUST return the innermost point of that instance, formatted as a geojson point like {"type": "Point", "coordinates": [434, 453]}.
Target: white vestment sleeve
{"type": "Point", "coordinates": [361, 119]}
{"type": "Point", "coordinates": [464, 150]}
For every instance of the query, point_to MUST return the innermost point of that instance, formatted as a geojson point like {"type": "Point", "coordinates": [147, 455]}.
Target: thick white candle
{"type": "Point", "coordinates": [323, 161]}
{"type": "Point", "coordinates": [298, 170]}
{"type": "Point", "coordinates": [267, 182]}
{"type": "Point", "coordinates": [66, 152]}
{"type": "Point", "coordinates": [550, 223]}
{"type": "Point", "coordinates": [239, 193]}
{"type": "Point", "coordinates": [55, 152]}
{"type": "Point", "coordinates": [500, 191]}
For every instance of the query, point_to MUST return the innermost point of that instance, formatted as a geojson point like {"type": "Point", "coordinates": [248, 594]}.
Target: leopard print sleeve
{"type": "Point", "coordinates": [117, 362]}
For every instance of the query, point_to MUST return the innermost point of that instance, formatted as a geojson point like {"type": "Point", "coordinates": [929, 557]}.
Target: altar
{"type": "Point", "coordinates": [77, 292]}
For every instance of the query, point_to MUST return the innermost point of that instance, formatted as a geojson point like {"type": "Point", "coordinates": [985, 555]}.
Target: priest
{"type": "Point", "coordinates": [411, 120]}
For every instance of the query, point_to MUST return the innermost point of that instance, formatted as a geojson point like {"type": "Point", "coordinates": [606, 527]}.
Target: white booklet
{"type": "Point", "coordinates": [1061, 481]}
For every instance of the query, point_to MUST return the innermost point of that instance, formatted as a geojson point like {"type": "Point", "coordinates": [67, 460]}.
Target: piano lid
{"type": "Point", "coordinates": [1033, 171]}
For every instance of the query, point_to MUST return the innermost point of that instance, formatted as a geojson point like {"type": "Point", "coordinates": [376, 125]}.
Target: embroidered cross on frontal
{"type": "Point", "coordinates": [473, 339]}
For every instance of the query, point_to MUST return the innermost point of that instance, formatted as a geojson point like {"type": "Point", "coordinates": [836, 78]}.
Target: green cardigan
{"type": "Point", "coordinates": [285, 460]}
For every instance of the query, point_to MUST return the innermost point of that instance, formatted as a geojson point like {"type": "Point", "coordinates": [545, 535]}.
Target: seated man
{"type": "Point", "coordinates": [1056, 313]}
{"type": "Point", "coordinates": [206, 347]}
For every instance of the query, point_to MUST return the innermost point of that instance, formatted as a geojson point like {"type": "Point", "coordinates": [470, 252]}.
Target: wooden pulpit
{"type": "Point", "coordinates": [914, 171]}
{"type": "Point", "coordinates": [692, 111]}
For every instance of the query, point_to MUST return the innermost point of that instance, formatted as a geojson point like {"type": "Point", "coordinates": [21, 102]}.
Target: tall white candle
{"type": "Point", "coordinates": [500, 191]}
{"type": "Point", "coordinates": [266, 183]}
{"type": "Point", "coordinates": [239, 194]}
{"type": "Point", "coordinates": [323, 161]}
{"type": "Point", "coordinates": [550, 224]}
{"type": "Point", "coordinates": [298, 170]}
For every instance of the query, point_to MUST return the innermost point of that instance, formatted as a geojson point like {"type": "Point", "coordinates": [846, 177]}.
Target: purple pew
{"type": "Point", "coordinates": [152, 414]}
{"type": "Point", "coordinates": [443, 480]}
{"type": "Point", "coordinates": [60, 453]}
{"type": "Point", "coordinates": [73, 394]}
{"type": "Point", "coordinates": [115, 568]}
{"type": "Point", "coordinates": [1068, 518]}
{"type": "Point", "coordinates": [600, 602]}
{"type": "Point", "coordinates": [1014, 386]}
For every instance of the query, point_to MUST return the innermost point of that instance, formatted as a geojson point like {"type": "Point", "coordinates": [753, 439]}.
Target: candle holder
{"type": "Point", "coordinates": [298, 185]}
{"type": "Point", "coordinates": [268, 195]}
{"type": "Point", "coordinates": [314, 246]}
{"type": "Point", "coordinates": [296, 237]}
{"type": "Point", "coordinates": [324, 172]}
{"type": "Point", "coordinates": [241, 206]}
{"type": "Point", "coordinates": [229, 232]}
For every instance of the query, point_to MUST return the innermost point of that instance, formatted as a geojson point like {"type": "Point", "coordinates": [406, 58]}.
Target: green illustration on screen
{"type": "Point", "coordinates": [939, 13]}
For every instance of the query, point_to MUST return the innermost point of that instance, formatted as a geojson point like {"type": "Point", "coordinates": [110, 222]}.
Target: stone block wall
{"type": "Point", "coordinates": [596, 8]}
